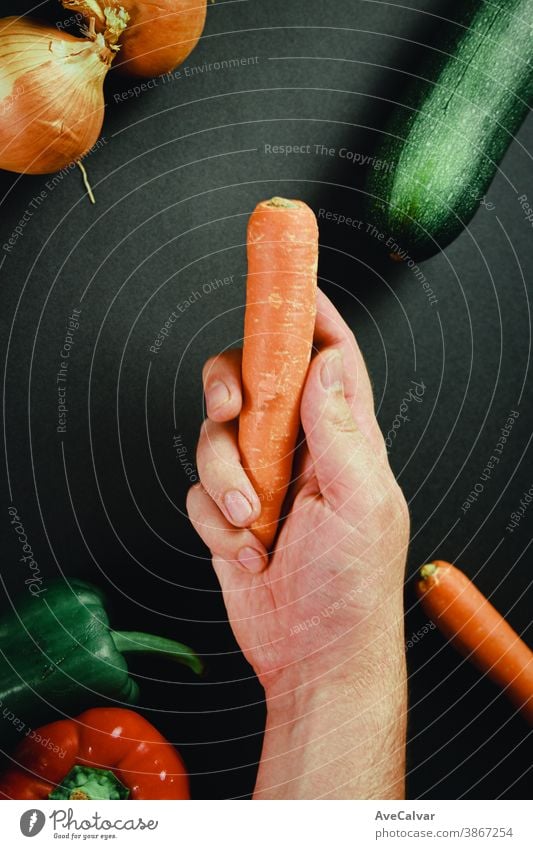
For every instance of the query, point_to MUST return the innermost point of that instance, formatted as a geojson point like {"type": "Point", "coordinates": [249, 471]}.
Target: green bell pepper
{"type": "Point", "coordinates": [58, 655]}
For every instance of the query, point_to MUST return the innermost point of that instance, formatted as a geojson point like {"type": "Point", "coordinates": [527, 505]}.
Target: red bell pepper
{"type": "Point", "coordinates": [105, 753]}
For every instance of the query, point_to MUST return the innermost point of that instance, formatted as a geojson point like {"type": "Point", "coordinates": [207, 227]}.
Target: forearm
{"type": "Point", "coordinates": [341, 740]}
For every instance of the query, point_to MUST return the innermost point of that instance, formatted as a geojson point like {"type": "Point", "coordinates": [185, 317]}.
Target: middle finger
{"type": "Point", "coordinates": [222, 474]}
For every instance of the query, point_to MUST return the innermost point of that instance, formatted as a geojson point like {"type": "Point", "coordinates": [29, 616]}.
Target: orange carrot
{"type": "Point", "coordinates": [278, 337]}
{"type": "Point", "coordinates": [477, 630]}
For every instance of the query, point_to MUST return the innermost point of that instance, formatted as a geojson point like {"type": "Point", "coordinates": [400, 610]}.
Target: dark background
{"type": "Point", "coordinates": [181, 169]}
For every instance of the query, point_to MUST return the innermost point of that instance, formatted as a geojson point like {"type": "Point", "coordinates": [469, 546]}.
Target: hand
{"type": "Point", "coordinates": [321, 620]}
{"type": "Point", "coordinates": [329, 600]}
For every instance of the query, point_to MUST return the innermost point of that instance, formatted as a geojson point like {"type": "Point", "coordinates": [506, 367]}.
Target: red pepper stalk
{"type": "Point", "coordinates": [105, 753]}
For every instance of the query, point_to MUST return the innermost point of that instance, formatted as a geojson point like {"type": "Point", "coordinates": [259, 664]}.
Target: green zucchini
{"type": "Point", "coordinates": [445, 144]}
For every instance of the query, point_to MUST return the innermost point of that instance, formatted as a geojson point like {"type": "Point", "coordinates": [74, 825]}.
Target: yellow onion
{"type": "Point", "coordinates": [51, 95]}
{"type": "Point", "coordinates": [161, 33]}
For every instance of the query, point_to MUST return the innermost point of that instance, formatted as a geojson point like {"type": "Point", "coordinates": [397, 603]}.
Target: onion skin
{"type": "Point", "coordinates": [159, 35]}
{"type": "Point", "coordinates": [54, 112]}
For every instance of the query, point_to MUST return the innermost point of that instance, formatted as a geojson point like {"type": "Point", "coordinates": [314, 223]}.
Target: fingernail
{"type": "Point", "coordinates": [216, 395]}
{"type": "Point", "coordinates": [238, 506]}
{"type": "Point", "coordinates": [251, 559]}
{"type": "Point", "coordinates": [331, 373]}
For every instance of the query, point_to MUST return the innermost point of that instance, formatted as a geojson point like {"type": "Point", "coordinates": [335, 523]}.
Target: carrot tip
{"type": "Point", "coordinates": [281, 203]}
{"type": "Point", "coordinates": [428, 570]}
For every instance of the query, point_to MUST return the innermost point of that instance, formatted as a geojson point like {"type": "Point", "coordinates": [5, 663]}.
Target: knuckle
{"type": "Point", "coordinates": [212, 479]}
{"type": "Point", "coordinates": [383, 493]}
{"type": "Point", "coordinates": [375, 498]}
{"type": "Point", "coordinates": [341, 419]}
{"type": "Point", "coordinates": [394, 506]}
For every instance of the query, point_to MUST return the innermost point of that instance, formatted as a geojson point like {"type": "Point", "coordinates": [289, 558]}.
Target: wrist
{"type": "Point", "coordinates": [344, 735]}
{"type": "Point", "coordinates": [367, 685]}
{"type": "Point", "coordinates": [358, 671]}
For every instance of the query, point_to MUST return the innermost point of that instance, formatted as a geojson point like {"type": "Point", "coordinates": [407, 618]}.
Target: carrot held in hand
{"type": "Point", "coordinates": [278, 337]}
{"type": "Point", "coordinates": [477, 630]}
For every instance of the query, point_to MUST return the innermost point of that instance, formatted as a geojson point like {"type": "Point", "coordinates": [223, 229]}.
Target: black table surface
{"type": "Point", "coordinates": [176, 175]}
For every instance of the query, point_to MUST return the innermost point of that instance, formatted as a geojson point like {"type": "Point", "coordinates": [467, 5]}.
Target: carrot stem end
{"type": "Point", "coordinates": [428, 571]}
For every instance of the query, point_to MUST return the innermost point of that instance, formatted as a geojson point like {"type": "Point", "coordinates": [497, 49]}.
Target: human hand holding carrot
{"type": "Point", "coordinates": [321, 620]}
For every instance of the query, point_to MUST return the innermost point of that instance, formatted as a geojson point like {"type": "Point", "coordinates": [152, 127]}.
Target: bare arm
{"type": "Point", "coordinates": [321, 619]}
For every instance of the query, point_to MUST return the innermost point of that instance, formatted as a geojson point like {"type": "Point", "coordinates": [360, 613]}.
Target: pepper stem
{"type": "Point", "coordinates": [90, 783]}
{"type": "Point", "coordinates": [135, 641]}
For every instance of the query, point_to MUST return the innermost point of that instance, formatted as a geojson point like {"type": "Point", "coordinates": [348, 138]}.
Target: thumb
{"type": "Point", "coordinates": [343, 460]}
